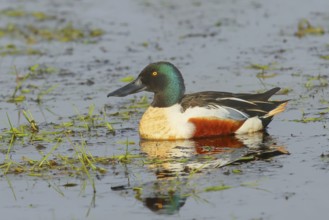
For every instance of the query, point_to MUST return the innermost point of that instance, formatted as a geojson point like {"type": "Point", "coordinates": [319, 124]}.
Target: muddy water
{"type": "Point", "coordinates": [213, 43]}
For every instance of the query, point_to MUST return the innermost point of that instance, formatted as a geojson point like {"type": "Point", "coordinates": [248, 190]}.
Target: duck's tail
{"type": "Point", "coordinates": [267, 118]}
{"type": "Point", "coordinates": [280, 108]}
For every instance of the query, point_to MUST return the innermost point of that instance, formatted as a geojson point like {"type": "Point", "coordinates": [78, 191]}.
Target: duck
{"type": "Point", "coordinates": [174, 115]}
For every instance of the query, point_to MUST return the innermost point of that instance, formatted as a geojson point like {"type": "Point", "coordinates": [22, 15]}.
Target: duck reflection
{"type": "Point", "coordinates": [173, 161]}
{"type": "Point", "coordinates": [179, 157]}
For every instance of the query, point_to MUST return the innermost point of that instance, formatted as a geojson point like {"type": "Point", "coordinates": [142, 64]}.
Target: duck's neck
{"type": "Point", "coordinates": [170, 96]}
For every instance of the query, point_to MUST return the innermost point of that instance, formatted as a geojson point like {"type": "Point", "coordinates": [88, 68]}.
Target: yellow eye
{"type": "Point", "coordinates": [154, 73]}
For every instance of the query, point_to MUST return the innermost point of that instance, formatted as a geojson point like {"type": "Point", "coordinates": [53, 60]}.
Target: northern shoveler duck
{"type": "Point", "coordinates": [176, 115]}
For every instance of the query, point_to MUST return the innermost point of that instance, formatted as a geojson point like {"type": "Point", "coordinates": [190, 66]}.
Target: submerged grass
{"type": "Point", "coordinates": [22, 88]}
{"type": "Point", "coordinates": [80, 163]}
{"type": "Point", "coordinates": [305, 28]}
{"type": "Point", "coordinates": [12, 50]}
{"type": "Point", "coordinates": [33, 27]}
{"type": "Point", "coordinates": [316, 81]}
{"type": "Point", "coordinates": [217, 188]}
{"type": "Point", "coordinates": [21, 13]}
{"type": "Point", "coordinates": [262, 67]}
{"type": "Point", "coordinates": [265, 70]}
{"type": "Point", "coordinates": [308, 119]}
{"type": "Point", "coordinates": [34, 33]}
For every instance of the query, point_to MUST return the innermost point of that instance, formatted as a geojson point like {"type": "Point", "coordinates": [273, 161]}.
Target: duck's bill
{"type": "Point", "coordinates": [133, 87]}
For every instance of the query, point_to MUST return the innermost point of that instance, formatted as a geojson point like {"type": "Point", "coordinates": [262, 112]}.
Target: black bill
{"type": "Point", "coordinates": [133, 87]}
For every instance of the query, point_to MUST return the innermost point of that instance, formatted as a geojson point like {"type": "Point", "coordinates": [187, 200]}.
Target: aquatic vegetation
{"type": "Point", "coordinates": [33, 125]}
{"type": "Point", "coordinates": [142, 103]}
{"type": "Point", "coordinates": [90, 120]}
{"type": "Point", "coordinates": [31, 27]}
{"type": "Point", "coordinates": [44, 92]}
{"type": "Point", "coordinates": [13, 50]}
{"type": "Point", "coordinates": [217, 188]}
{"type": "Point", "coordinates": [33, 34]}
{"type": "Point", "coordinates": [20, 13]}
{"type": "Point", "coordinates": [261, 67]}
{"type": "Point", "coordinates": [19, 82]}
{"type": "Point", "coordinates": [305, 28]}
{"type": "Point", "coordinates": [324, 111]}
{"type": "Point", "coordinates": [16, 99]}
{"type": "Point", "coordinates": [325, 157]}
{"type": "Point", "coordinates": [41, 69]}
{"type": "Point", "coordinates": [285, 91]}
{"type": "Point", "coordinates": [218, 23]}
{"type": "Point", "coordinates": [127, 79]}
{"type": "Point", "coordinates": [80, 163]}
{"type": "Point", "coordinates": [324, 57]}
{"type": "Point", "coordinates": [316, 81]}
{"type": "Point", "coordinates": [237, 171]}
{"type": "Point", "coordinates": [21, 90]}
{"type": "Point", "coordinates": [263, 75]}
{"type": "Point", "coordinates": [264, 70]}
{"type": "Point", "coordinates": [308, 119]}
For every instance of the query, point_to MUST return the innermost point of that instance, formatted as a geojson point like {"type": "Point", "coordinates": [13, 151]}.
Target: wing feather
{"type": "Point", "coordinates": [239, 105]}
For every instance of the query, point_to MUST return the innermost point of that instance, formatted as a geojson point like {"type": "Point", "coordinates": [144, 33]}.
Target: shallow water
{"type": "Point", "coordinates": [213, 43]}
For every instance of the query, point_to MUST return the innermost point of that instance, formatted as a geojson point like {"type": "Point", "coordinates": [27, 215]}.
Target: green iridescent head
{"type": "Point", "coordinates": [161, 78]}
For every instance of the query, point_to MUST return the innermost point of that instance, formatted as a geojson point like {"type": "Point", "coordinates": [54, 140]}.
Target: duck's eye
{"type": "Point", "coordinates": [154, 73]}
